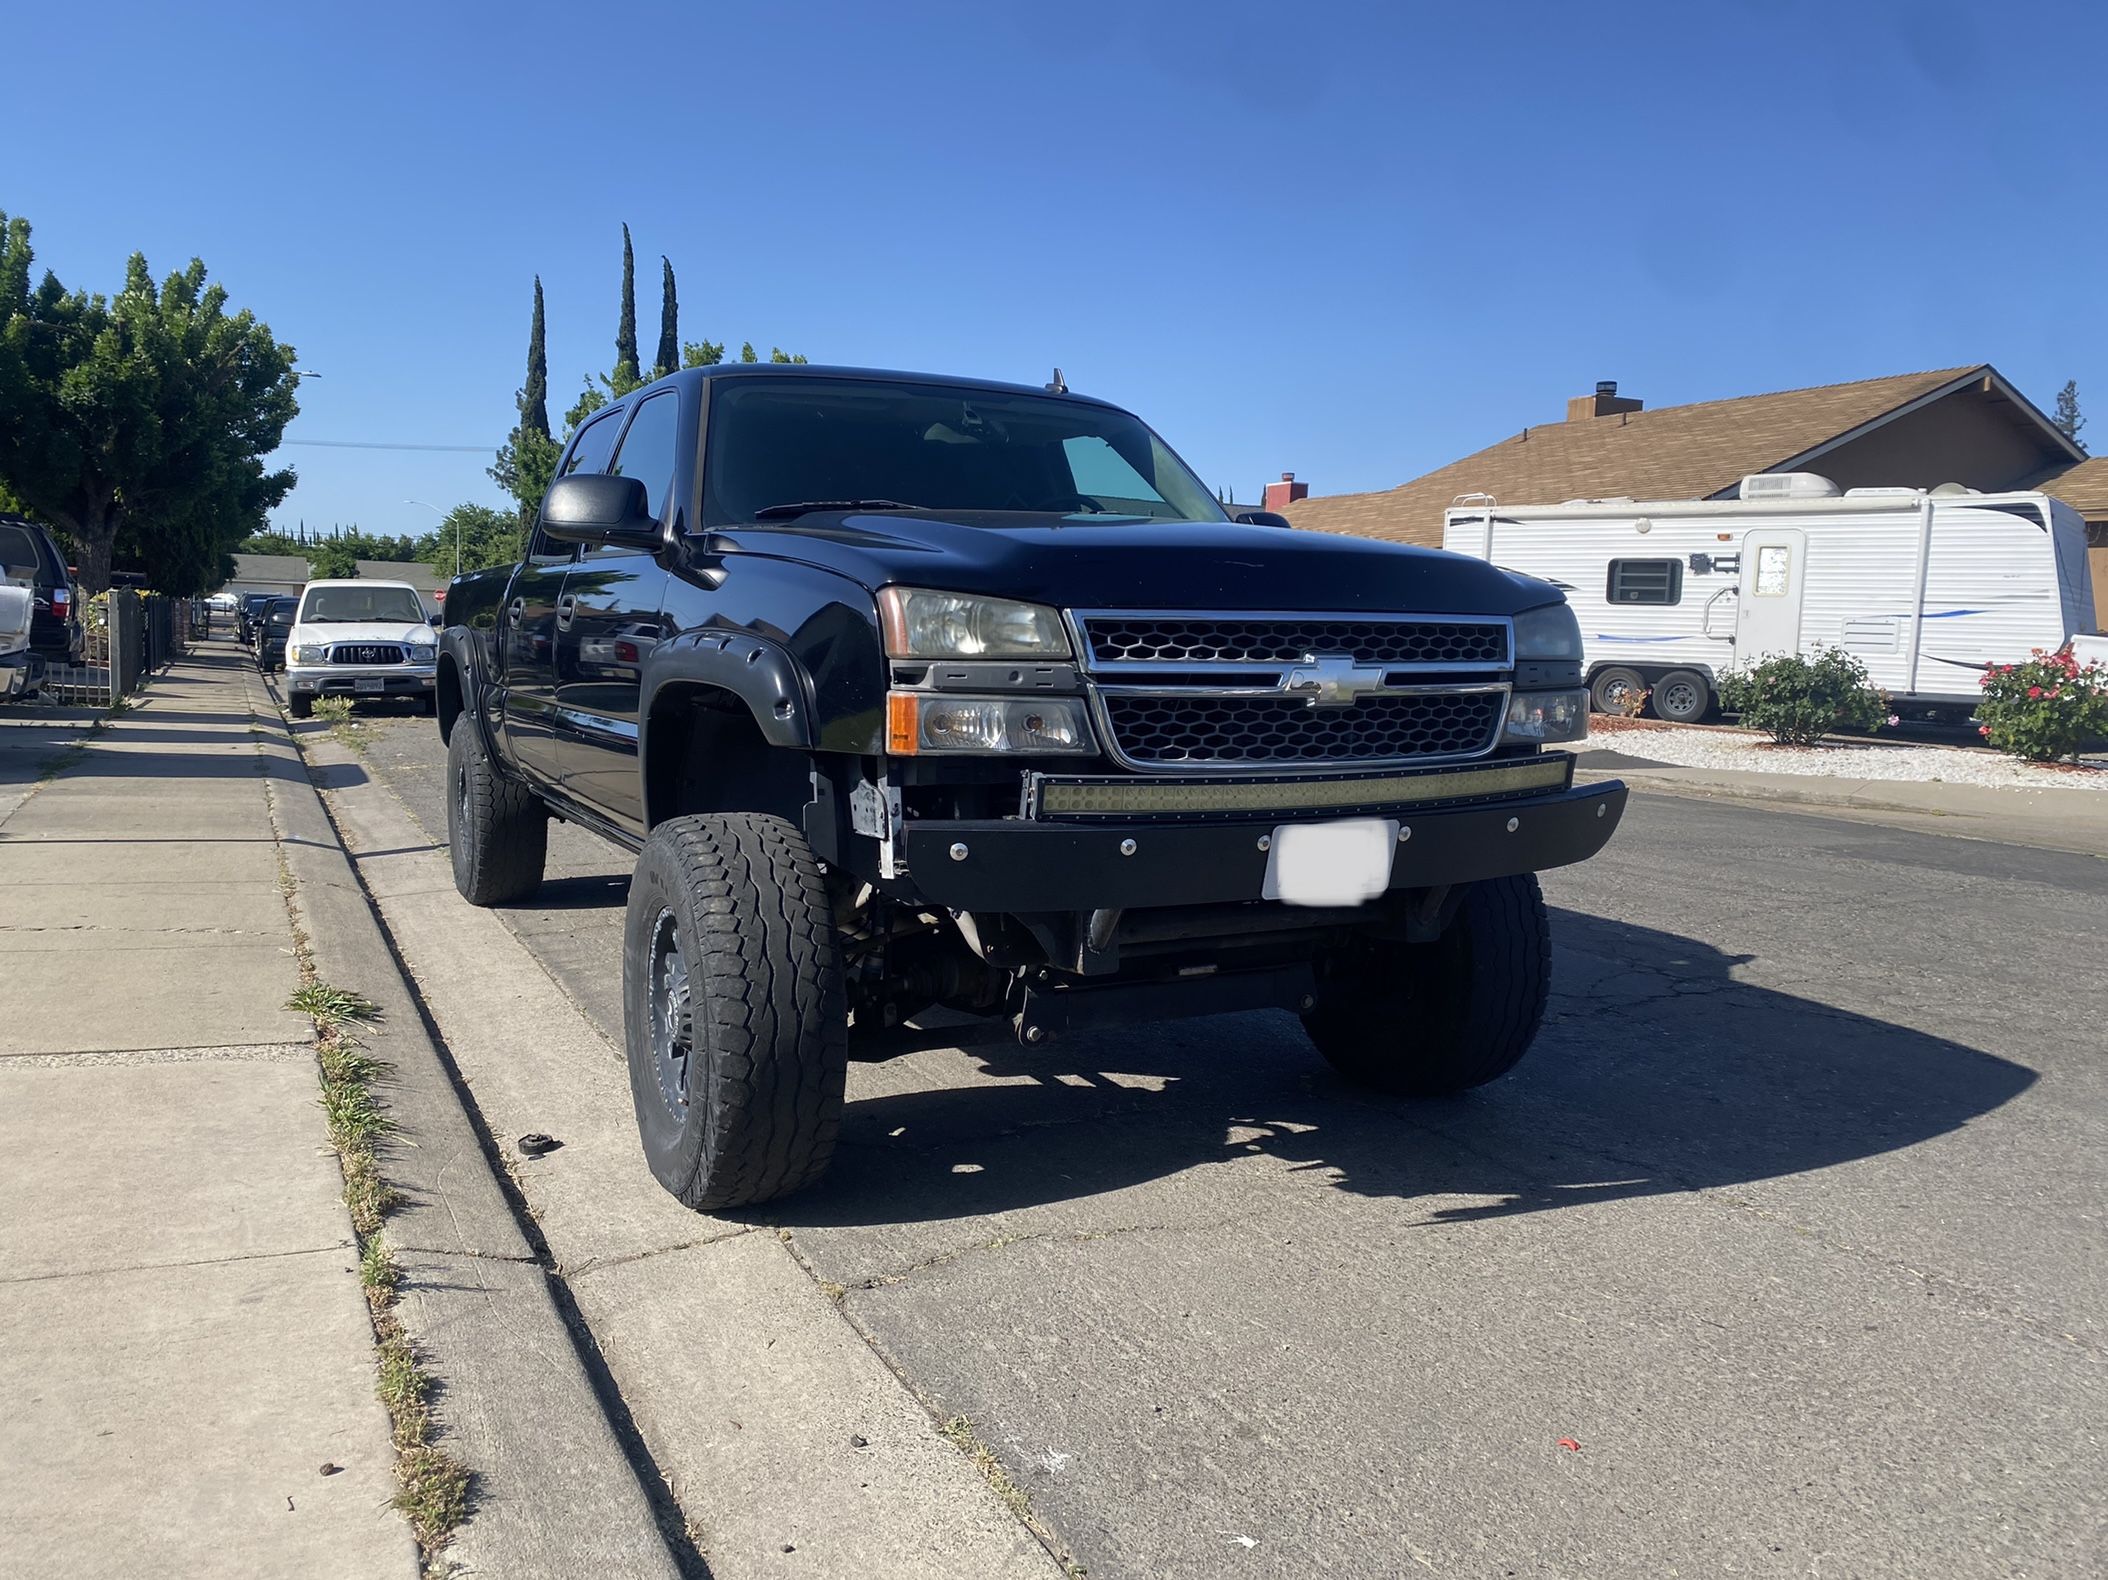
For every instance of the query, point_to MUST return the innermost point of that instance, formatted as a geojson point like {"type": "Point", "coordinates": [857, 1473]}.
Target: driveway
{"type": "Point", "coordinates": [1781, 1255]}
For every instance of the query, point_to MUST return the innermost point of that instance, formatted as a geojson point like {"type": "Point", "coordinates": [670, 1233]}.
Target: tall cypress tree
{"type": "Point", "coordinates": [669, 356]}
{"type": "Point", "coordinates": [534, 399]}
{"type": "Point", "coordinates": [626, 362]}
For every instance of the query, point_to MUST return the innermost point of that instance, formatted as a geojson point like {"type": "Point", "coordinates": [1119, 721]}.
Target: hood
{"type": "Point", "coordinates": [1123, 562]}
{"type": "Point", "coordinates": [397, 631]}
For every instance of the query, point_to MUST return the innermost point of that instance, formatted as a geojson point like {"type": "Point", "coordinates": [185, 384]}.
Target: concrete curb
{"type": "Point", "coordinates": [556, 1492]}
{"type": "Point", "coordinates": [2040, 819]}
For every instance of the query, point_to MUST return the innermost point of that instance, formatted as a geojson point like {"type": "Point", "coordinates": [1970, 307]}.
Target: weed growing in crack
{"type": "Point", "coordinates": [432, 1487]}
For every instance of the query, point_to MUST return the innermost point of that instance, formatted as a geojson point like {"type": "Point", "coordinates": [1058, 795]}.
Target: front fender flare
{"type": "Point", "coordinates": [761, 674]}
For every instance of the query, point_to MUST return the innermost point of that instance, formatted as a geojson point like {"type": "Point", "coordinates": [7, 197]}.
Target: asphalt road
{"type": "Point", "coordinates": [1793, 1222]}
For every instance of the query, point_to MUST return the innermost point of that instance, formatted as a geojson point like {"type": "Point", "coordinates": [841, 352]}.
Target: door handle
{"type": "Point", "coordinates": [567, 603]}
{"type": "Point", "coordinates": [516, 608]}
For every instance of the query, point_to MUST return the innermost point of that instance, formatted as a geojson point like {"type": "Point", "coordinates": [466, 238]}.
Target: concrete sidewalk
{"type": "Point", "coordinates": [184, 1346]}
{"type": "Point", "coordinates": [2073, 820]}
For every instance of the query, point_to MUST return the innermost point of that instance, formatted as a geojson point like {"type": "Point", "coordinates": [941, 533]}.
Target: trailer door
{"type": "Point", "coordinates": [1768, 612]}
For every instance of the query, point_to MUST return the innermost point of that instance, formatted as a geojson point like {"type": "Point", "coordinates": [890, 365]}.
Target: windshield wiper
{"type": "Point", "coordinates": [808, 506]}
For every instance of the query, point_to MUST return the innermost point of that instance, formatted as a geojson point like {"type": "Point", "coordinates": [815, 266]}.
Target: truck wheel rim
{"type": "Point", "coordinates": [1682, 698]}
{"type": "Point", "coordinates": [672, 1016]}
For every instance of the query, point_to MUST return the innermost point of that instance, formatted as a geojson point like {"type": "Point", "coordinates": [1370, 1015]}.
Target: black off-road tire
{"type": "Point", "coordinates": [497, 829]}
{"type": "Point", "coordinates": [739, 1096]}
{"type": "Point", "coordinates": [1430, 1020]}
{"type": "Point", "coordinates": [301, 705]}
{"type": "Point", "coordinates": [1606, 686]}
{"type": "Point", "coordinates": [1683, 696]}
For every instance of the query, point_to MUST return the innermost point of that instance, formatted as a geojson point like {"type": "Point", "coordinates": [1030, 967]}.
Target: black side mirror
{"type": "Point", "coordinates": [435, 619]}
{"type": "Point", "coordinates": [1263, 518]}
{"type": "Point", "coordinates": [590, 507]}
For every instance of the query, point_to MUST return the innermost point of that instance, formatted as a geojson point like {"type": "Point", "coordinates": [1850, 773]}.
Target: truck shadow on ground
{"type": "Point", "coordinates": [1657, 1072]}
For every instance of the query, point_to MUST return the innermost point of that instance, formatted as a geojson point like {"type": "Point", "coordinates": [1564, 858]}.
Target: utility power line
{"type": "Point", "coordinates": [368, 444]}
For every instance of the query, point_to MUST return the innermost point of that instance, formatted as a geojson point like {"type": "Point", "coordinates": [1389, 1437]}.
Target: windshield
{"type": "Point", "coordinates": [334, 605]}
{"type": "Point", "coordinates": [820, 441]}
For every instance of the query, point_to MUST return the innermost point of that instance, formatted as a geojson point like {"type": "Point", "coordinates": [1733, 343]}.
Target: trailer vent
{"type": "Point", "coordinates": [1787, 485]}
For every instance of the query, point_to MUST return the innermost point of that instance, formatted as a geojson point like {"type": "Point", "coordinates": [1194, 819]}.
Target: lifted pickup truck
{"type": "Point", "coordinates": [917, 694]}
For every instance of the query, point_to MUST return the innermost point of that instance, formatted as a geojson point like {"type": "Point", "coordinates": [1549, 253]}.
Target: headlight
{"type": "Point", "coordinates": [1550, 632]}
{"type": "Point", "coordinates": [1540, 717]}
{"type": "Point", "coordinates": [311, 653]}
{"type": "Point", "coordinates": [422, 654]}
{"type": "Point", "coordinates": [921, 721]}
{"type": "Point", "coordinates": [957, 625]}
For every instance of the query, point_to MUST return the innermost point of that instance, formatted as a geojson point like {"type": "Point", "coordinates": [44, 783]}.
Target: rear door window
{"type": "Point", "coordinates": [20, 553]}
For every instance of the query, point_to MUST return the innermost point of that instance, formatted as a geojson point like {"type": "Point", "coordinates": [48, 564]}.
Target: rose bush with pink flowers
{"type": "Point", "coordinates": [2048, 707]}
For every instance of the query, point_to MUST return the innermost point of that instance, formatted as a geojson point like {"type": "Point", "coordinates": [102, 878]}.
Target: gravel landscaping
{"type": "Point", "coordinates": [1720, 747]}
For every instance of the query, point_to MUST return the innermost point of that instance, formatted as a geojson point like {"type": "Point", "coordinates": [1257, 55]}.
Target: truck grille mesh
{"type": "Point", "coordinates": [1258, 731]}
{"type": "Point", "coordinates": [365, 653]}
{"type": "Point", "coordinates": [1134, 639]}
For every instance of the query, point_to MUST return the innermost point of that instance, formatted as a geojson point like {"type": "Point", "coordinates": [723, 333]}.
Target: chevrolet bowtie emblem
{"type": "Point", "coordinates": [1332, 681]}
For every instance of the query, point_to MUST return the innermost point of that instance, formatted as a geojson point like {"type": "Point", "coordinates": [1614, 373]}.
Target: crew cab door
{"type": "Point", "coordinates": [532, 623]}
{"type": "Point", "coordinates": [608, 625]}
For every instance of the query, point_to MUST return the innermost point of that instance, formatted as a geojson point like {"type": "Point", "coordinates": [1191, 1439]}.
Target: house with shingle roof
{"type": "Point", "coordinates": [1952, 425]}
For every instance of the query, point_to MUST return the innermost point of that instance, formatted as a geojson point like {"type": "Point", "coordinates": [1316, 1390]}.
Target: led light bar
{"type": "Point", "coordinates": [1156, 798]}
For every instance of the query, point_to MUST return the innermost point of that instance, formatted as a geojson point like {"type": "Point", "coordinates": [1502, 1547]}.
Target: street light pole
{"type": "Point", "coordinates": [441, 514]}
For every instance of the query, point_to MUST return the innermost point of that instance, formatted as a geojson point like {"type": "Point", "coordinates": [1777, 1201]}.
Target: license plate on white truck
{"type": "Point", "coordinates": [372, 686]}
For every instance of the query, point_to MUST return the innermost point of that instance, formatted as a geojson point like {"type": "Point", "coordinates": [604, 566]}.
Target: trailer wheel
{"type": "Point", "coordinates": [1683, 696]}
{"type": "Point", "coordinates": [1612, 690]}
{"type": "Point", "coordinates": [1430, 1020]}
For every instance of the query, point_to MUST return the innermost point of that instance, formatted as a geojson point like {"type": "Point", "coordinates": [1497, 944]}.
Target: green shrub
{"type": "Point", "coordinates": [2046, 708]}
{"type": "Point", "coordinates": [1797, 701]}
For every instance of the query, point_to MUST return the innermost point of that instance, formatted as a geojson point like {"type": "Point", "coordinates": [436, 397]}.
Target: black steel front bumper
{"type": "Point", "coordinates": [1018, 864]}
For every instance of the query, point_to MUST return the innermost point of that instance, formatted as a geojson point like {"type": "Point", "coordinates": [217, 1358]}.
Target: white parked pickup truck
{"type": "Point", "coordinates": [360, 639]}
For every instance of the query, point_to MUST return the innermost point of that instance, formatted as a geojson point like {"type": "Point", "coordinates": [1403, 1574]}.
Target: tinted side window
{"type": "Point", "coordinates": [649, 448]}
{"type": "Point", "coordinates": [18, 550]}
{"type": "Point", "coordinates": [595, 440]}
{"type": "Point", "coordinates": [589, 454]}
{"type": "Point", "coordinates": [1645, 581]}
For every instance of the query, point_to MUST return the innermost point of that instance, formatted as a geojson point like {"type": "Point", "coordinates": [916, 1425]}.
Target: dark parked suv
{"type": "Point", "coordinates": [921, 694]}
{"type": "Point", "coordinates": [29, 556]}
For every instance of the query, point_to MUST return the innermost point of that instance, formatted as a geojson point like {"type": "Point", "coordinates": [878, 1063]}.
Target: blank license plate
{"type": "Point", "coordinates": [374, 686]}
{"type": "Point", "coordinates": [1343, 863]}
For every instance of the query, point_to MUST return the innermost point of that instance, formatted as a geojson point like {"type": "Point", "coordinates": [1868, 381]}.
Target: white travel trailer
{"type": "Point", "coordinates": [1924, 587]}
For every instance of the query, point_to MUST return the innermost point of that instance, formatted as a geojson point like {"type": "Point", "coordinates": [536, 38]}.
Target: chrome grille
{"type": "Point", "coordinates": [365, 653]}
{"type": "Point", "coordinates": [1248, 732]}
{"type": "Point", "coordinates": [1134, 639]}
{"type": "Point", "coordinates": [1204, 691]}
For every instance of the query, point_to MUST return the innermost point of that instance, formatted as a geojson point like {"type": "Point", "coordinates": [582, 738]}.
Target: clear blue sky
{"type": "Point", "coordinates": [1355, 241]}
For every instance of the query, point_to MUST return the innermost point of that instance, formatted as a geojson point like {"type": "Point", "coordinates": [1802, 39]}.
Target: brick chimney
{"type": "Point", "coordinates": [1279, 496]}
{"type": "Point", "coordinates": [1606, 402]}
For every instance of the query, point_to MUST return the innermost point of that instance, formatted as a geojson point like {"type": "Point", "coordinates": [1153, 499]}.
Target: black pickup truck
{"type": "Point", "coordinates": [918, 694]}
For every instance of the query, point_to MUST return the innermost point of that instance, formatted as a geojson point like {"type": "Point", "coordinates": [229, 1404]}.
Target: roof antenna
{"type": "Point", "coordinates": [1060, 386]}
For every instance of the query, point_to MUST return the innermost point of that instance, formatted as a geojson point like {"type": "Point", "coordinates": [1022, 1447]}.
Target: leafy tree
{"type": "Point", "coordinates": [2067, 421]}
{"type": "Point", "coordinates": [778, 354]}
{"type": "Point", "coordinates": [747, 353]}
{"type": "Point", "coordinates": [486, 537]}
{"type": "Point", "coordinates": [669, 353]}
{"type": "Point", "coordinates": [626, 363]}
{"type": "Point", "coordinates": [702, 353]}
{"type": "Point", "coordinates": [526, 461]}
{"type": "Point", "coordinates": [138, 424]}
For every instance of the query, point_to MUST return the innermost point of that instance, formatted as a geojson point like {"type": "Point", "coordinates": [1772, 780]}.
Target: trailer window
{"type": "Point", "coordinates": [1646, 581]}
